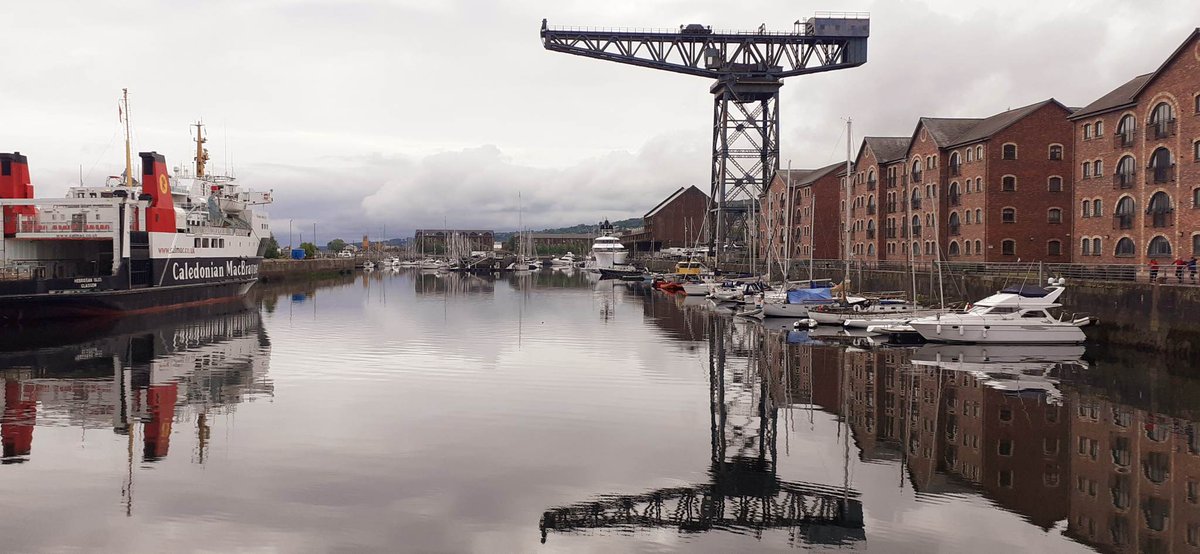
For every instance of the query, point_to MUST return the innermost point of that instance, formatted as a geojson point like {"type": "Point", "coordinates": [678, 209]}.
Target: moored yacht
{"type": "Point", "coordinates": [1014, 315]}
{"type": "Point", "coordinates": [607, 250]}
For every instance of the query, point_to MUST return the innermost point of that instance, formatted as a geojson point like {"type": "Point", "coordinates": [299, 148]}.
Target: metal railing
{"type": "Point", "coordinates": [1124, 180]}
{"type": "Point", "coordinates": [1123, 221]}
{"type": "Point", "coordinates": [954, 229]}
{"type": "Point", "coordinates": [1160, 174]}
{"type": "Point", "coordinates": [1124, 140]}
{"type": "Point", "coordinates": [870, 209]}
{"type": "Point", "coordinates": [1160, 219]}
{"type": "Point", "coordinates": [955, 199]}
{"type": "Point", "coordinates": [1160, 129]}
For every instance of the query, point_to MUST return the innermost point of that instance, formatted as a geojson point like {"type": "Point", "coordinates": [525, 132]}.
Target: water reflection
{"type": "Point", "coordinates": [136, 376]}
{"type": "Point", "coordinates": [744, 492]}
{"type": "Point", "coordinates": [1039, 432]}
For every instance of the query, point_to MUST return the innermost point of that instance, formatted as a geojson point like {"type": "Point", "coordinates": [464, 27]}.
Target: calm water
{"type": "Point", "coordinates": [411, 412]}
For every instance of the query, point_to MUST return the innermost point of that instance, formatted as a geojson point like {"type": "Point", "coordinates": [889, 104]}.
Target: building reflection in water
{"type": "Point", "coordinates": [1109, 450]}
{"type": "Point", "coordinates": [136, 376]}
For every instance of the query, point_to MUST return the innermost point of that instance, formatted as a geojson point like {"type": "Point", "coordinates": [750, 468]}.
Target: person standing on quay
{"type": "Point", "coordinates": [1179, 264]}
{"type": "Point", "coordinates": [1192, 269]}
{"type": "Point", "coordinates": [1153, 270]}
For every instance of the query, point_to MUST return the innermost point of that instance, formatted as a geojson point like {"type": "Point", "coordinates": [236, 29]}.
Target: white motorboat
{"type": "Point", "coordinates": [430, 263]}
{"type": "Point", "coordinates": [698, 288]}
{"type": "Point", "coordinates": [607, 250]}
{"type": "Point", "coordinates": [796, 300]}
{"type": "Point", "coordinates": [566, 260]}
{"type": "Point", "coordinates": [1014, 315]}
{"type": "Point", "coordinates": [410, 263]}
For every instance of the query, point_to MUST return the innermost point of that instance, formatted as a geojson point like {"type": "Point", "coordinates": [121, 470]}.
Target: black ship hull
{"type": "Point", "coordinates": [111, 303]}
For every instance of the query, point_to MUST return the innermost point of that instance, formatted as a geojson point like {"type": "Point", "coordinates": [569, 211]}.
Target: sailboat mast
{"type": "Point", "coordinates": [787, 241]}
{"type": "Point", "coordinates": [128, 149]}
{"type": "Point", "coordinates": [846, 186]}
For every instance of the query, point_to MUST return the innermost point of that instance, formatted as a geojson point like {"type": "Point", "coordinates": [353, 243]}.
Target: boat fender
{"type": "Point", "coordinates": [938, 328]}
{"type": "Point", "coordinates": [857, 308]}
{"type": "Point", "coordinates": [985, 331]}
{"type": "Point", "coordinates": [962, 328]}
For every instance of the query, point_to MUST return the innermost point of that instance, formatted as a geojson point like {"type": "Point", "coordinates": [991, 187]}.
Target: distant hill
{"type": "Point", "coordinates": [582, 228]}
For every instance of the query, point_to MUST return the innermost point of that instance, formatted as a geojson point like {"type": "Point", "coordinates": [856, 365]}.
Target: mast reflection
{"type": "Point", "coordinates": [744, 491]}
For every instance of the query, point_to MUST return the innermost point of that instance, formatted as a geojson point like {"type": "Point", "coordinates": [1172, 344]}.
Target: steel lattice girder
{"type": "Point", "coordinates": [719, 55]}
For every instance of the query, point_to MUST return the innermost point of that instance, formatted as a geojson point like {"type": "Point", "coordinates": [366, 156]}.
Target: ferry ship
{"type": "Point", "coordinates": [171, 239]}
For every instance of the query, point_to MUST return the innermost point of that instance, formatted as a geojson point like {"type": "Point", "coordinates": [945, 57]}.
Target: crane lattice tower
{"type": "Point", "coordinates": [747, 69]}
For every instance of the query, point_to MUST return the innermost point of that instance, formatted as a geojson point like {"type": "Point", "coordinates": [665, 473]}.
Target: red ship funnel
{"type": "Point", "coordinates": [160, 217]}
{"type": "Point", "coordinates": [14, 183]}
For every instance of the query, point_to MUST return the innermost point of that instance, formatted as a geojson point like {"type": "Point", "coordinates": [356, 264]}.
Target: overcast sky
{"type": "Point", "coordinates": [403, 114]}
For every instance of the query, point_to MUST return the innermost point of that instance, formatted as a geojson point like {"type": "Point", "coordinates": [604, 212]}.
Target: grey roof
{"type": "Point", "coordinates": [888, 149]}
{"type": "Point", "coordinates": [1119, 97]}
{"type": "Point", "coordinates": [999, 122]}
{"type": "Point", "coordinates": [796, 175]}
{"type": "Point", "coordinates": [672, 198]}
{"type": "Point", "coordinates": [815, 174]}
{"type": "Point", "coordinates": [946, 130]}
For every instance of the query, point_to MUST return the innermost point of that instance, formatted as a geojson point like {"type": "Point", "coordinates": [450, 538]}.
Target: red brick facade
{"type": "Point", "coordinates": [1142, 179]}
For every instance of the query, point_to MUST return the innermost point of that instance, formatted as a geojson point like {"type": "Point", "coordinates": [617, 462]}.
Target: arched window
{"type": "Point", "coordinates": [967, 217]}
{"type": "Point", "coordinates": [1056, 152]}
{"type": "Point", "coordinates": [1099, 128]}
{"type": "Point", "coordinates": [969, 152]}
{"type": "Point", "coordinates": [916, 248]}
{"type": "Point", "coordinates": [1162, 166]}
{"type": "Point", "coordinates": [1086, 210]}
{"type": "Point", "coordinates": [1008, 183]}
{"type": "Point", "coordinates": [1008, 247]}
{"type": "Point", "coordinates": [1098, 168]}
{"type": "Point", "coordinates": [1054, 248]}
{"type": "Point", "coordinates": [1196, 245]}
{"type": "Point", "coordinates": [916, 198]}
{"type": "Point", "coordinates": [955, 164]}
{"type": "Point", "coordinates": [954, 196]}
{"type": "Point", "coordinates": [953, 223]}
{"type": "Point", "coordinates": [1009, 151]}
{"type": "Point", "coordinates": [979, 184]}
{"type": "Point", "coordinates": [1160, 209]}
{"type": "Point", "coordinates": [1125, 212]}
{"type": "Point", "coordinates": [1096, 249]}
{"type": "Point", "coordinates": [1162, 121]}
{"type": "Point", "coordinates": [1085, 247]}
{"type": "Point", "coordinates": [1125, 131]}
{"type": "Point", "coordinates": [870, 228]}
{"type": "Point", "coordinates": [1159, 247]}
{"type": "Point", "coordinates": [1196, 151]}
{"type": "Point", "coordinates": [1054, 215]}
{"type": "Point", "coordinates": [978, 246]}
{"type": "Point", "coordinates": [1008, 215]}
{"type": "Point", "coordinates": [954, 248]}
{"type": "Point", "coordinates": [1097, 208]}
{"type": "Point", "coordinates": [1196, 198]}
{"type": "Point", "coordinates": [1054, 184]}
{"type": "Point", "coordinates": [1126, 168]}
{"type": "Point", "coordinates": [870, 249]}
{"type": "Point", "coordinates": [978, 215]}
{"type": "Point", "coordinates": [871, 205]}
{"type": "Point", "coordinates": [916, 225]}
{"type": "Point", "coordinates": [916, 171]}
{"type": "Point", "coordinates": [1125, 248]}
{"type": "Point", "coordinates": [979, 153]}
{"type": "Point", "coordinates": [967, 247]}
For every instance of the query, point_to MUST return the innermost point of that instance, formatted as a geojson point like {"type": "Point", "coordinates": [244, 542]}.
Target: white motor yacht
{"type": "Point", "coordinates": [607, 250]}
{"type": "Point", "coordinates": [1013, 315]}
{"type": "Point", "coordinates": [866, 312]}
{"type": "Point", "coordinates": [566, 260]}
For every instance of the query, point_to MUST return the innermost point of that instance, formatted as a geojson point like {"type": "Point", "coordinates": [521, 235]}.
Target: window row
{"type": "Point", "coordinates": [206, 242]}
{"type": "Point", "coordinates": [1159, 247]}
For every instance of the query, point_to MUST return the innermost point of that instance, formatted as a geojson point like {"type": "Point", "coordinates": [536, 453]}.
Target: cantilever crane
{"type": "Point", "coordinates": [748, 68]}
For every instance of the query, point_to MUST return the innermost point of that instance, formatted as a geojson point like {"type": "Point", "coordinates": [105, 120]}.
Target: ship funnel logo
{"type": "Point", "coordinates": [163, 187]}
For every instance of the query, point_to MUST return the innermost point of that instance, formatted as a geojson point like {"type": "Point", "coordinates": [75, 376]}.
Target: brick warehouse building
{"type": "Point", "coordinates": [877, 167]}
{"type": "Point", "coordinates": [815, 192]}
{"type": "Point", "coordinates": [677, 221]}
{"type": "Point", "coordinates": [1137, 166]}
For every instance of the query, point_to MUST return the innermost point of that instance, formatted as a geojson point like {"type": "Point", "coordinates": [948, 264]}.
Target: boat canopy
{"type": "Point", "coordinates": [1027, 291]}
{"type": "Point", "coordinates": [800, 296]}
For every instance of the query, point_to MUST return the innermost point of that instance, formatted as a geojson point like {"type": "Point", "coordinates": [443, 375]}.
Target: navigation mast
{"type": "Point", "coordinates": [201, 151]}
{"type": "Point", "coordinates": [128, 152]}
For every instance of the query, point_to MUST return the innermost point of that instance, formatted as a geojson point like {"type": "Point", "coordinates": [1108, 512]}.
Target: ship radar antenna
{"type": "Point", "coordinates": [201, 151]}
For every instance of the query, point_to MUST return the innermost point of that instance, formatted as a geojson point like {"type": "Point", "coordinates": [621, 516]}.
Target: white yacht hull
{"type": "Point", "coordinates": [697, 289]}
{"type": "Point", "coordinates": [999, 332]}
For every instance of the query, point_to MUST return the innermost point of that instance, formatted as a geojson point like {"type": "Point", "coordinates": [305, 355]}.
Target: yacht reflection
{"type": "Point", "coordinates": [133, 372]}
{"type": "Point", "coordinates": [744, 493]}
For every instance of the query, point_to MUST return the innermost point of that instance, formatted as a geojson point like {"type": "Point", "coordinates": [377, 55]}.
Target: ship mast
{"type": "Point", "coordinates": [128, 155]}
{"type": "Point", "coordinates": [201, 151]}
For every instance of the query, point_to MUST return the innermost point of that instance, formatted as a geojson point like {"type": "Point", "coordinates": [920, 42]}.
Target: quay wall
{"type": "Point", "coordinates": [288, 270]}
